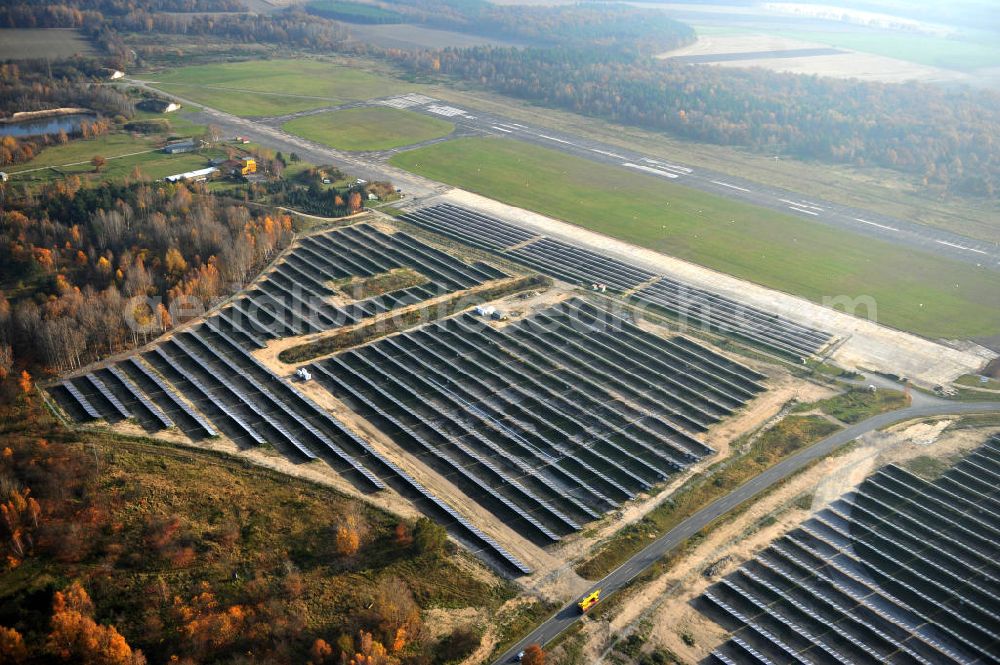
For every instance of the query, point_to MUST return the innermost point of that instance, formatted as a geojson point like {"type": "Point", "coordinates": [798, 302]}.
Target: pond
{"type": "Point", "coordinates": [50, 125]}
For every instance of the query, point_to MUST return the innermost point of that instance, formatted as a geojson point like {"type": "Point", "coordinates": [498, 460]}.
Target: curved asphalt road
{"type": "Point", "coordinates": [922, 407]}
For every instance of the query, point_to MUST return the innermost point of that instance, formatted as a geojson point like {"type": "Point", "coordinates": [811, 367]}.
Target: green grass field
{"type": "Point", "coordinates": [918, 292]}
{"type": "Point", "coordinates": [123, 153]}
{"type": "Point", "coordinates": [377, 128]}
{"type": "Point", "coordinates": [274, 87]}
{"type": "Point", "coordinates": [30, 43]}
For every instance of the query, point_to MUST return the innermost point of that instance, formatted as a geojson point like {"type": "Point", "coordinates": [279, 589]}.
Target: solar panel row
{"type": "Point", "coordinates": [692, 305]}
{"type": "Point", "coordinates": [901, 570]}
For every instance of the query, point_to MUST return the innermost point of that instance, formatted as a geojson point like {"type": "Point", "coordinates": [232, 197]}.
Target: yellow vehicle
{"type": "Point", "coordinates": [589, 601]}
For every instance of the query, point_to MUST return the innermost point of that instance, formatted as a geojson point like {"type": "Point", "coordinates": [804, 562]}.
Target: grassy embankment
{"type": "Point", "coordinates": [150, 528]}
{"type": "Point", "coordinates": [790, 435]}
{"type": "Point", "coordinates": [378, 128]}
{"type": "Point", "coordinates": [914, 291]}
{"type": "Point", "coordinates": [274, 87]}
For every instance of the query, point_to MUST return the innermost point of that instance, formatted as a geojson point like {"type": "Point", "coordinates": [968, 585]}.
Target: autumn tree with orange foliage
{"type": "Point", "coordinates": [19, 518]}
{"type": "Point", "coordinates": [533, 655]}
{"type": "Point", "coordinates": [320, 652]}
{"type": "Point", "coordinates": [12, 648]}
{"type": "Point", "coordinates": [350, 531]}
{"type": "Point", "coordinates": [397, 614]}
{"type": "Point", "coordinates": [25, 382]}
{"type": "Point", "coordinates": [207, 625]}
{"type": "Point", "coordinates": [354, 202]}
{"type": "Point", "coordinates": [76, 637]}
{"type": "Point", "coordinates": [368, 651]}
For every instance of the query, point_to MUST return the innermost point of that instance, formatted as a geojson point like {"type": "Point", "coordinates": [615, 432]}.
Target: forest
{"type": "Point", "coordinates": [93, 271]}
{"type": "Point", "coordinates": [628, 28]}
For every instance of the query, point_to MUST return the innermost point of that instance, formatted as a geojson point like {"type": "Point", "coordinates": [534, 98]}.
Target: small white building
{"type": "Point", "coordinates": [116, 74]}
{"type": "Point", "coordinates": [195, 176]}
{"type": "Point", "coordinates": [486, 311]}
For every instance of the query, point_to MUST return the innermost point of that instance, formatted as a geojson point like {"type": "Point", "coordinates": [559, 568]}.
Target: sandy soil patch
{"type": "Point", "coordinates": [781, 389]}
{"type": "Point", "coordinates": [851, 64]}
{"type": "Point", "coordinates": [866, 343]}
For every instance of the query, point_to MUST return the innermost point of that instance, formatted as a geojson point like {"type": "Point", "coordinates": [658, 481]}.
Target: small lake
{"type": "Point", "coordinates": [51, 125]}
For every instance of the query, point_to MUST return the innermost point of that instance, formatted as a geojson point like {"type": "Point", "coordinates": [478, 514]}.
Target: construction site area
{"type": "Point", "coordinates": [560, 409]}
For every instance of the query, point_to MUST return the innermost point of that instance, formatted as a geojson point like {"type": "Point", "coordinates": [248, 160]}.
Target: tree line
{"type": "Point", "coordinates": [627, 28]}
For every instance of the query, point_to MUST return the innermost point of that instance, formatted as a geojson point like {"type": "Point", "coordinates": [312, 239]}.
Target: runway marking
{"type": "Point", "coordinates": [726, 184]}
{"type": "Point", "coordinates": [501, 129]}
{"type": "Point", "coordinates": [514, 124]}
{"type": "Point", "coordinates": [606, 153]}
{"type": "Point", "coordinates": [672, 167]}
{"type": "Point", "coordinates": [650, 169]}
{"type": "Point", "coordinates": [552, 138]}
{"type": "Point", "coordinates": [968, 249]}
{"type": "Point", "coordinates": [446, 111]}
{"type": "Point", "coordinates": [803, 210]}
{"type": "Point", "coordinates": [881, 226]}
{"type": "Point", "coordinates": [801, 204]}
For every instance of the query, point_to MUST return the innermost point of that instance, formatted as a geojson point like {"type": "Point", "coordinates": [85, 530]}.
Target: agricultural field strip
{"type": "Point", "coordinates": [540, 442]}
{"type": "Point", "coordinates": [585, 267]}
{"type": "Point", "coordinates": [87, 161]}
{"type": "Point", "coordinates": [900, 567]}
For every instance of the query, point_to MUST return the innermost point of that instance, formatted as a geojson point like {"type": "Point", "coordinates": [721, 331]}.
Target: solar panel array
{"type": "Point", "coordinates": [207, 371]}
{"type": "Point", "coordinates": [293, 298]}
{"type": "Point", "coordinates": [901, 570]}
{"type": "Point", "coordinates": [548, 422]}
{"type": "Point", "coordinates": [572, 264]}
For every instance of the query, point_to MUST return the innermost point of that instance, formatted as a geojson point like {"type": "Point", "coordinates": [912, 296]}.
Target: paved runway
{"type": "Point", "coordinates": [864, 222]}
{"type": "Point", "coordinates": [374, 166]}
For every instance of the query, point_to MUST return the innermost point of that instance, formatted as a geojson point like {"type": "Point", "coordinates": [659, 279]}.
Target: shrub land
{"type": "Point", "coordinates": [115, 544]}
